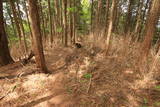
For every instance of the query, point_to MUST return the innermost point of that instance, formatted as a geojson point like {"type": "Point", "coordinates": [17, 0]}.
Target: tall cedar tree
{"type": "Point", "coordinates": [151, 27]}
{"type": "Point", "coordinates": [65, 22]}
{"type": "Point", "coordinates": [110, 25]}
{"type": "Point", "coordinates": [21, 25]}
{"type": "Point", "coordinates": [37, 37]}
{"type": "Point", "coordinates": [5, 57]}
{"type": "Point", "coordinates": [15, 16]}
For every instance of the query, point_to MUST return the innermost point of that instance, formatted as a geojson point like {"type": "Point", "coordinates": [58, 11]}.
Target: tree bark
{"type": "Point", "coordinates": [139, 18]}
{"type": "Point", "coordinates": [12, 22]}
{"type": "Point", "coordinates": [150, 27]}
{"type": "Point", "coordinates": [50, 21]}
{"type": "Point", "coordinates": [91, 16]}
{"type": "Point", "coordinates": [71, 21]}
{"type": "Point", "coordinates": [21, 27]}
{"type": "Point", "coordinates": [107, 14]}
{"type": "Point", "coordinates": [127, 26]}
{"type": "Point", "coordinates": [5, 57]}
{"type": "Point", "coordinates": [98, 17]}
{"type": "Point", "coordinates": [74, 23]}
{"type": "Point", "coordinates": [65, 22]}
{"type": "Point", "coordinates": [115, 17]}
{"type": "Point", "coordinates": [42, 19]}
{"type": "Point", "coordinates": [35, 25]}
{"type": "Point", "coordinates": [110, 25]}
{"type": "Point", "coordinates": [15, 16]}
{"type": "Point", "coordinates": [26, 11]}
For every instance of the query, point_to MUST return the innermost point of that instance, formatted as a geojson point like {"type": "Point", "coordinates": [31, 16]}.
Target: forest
{"type": "Point", "coordinates": [79, 53]}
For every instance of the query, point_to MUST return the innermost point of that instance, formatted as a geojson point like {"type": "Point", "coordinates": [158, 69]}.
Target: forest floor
{"type": "Point", "coordinates": [83, 77]}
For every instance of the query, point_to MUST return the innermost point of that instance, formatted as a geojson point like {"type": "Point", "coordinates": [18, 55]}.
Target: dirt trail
{"type": "Point", "coordinates": [79, 78]}
{"type": "Point", "coordinates": [24, 87]}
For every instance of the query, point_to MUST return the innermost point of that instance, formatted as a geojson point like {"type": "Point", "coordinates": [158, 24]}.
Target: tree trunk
{"type": "Point", "coordinates": [127, 26]}
{"type": "Point", "coordinates": [91, 16]}
{"type": "Point", "coordinates": [98, 17]}
{"type": "Point", "coordinates": [115, 17]}
{"type": "Point", "coordinates": [107, 14]}
{"type": "Point", "coordinates": [65, 22]}
{"type": "Point", "coordinates": [35, 25]}
{"type": "Point", "coordinates": [26, 11]}
{"type": "Point", "coordinates": [74, 23]}
{"type": "Point", "coordinates": [144, 15]}
{"type": "Point", "coordinates": [139, 18]}
{"type": "Point", "coordinates": [5, 57]}
{"type": "Point", "coordinates": [15, 16]}
{"type": "Point", "coordinates": [21, 27]}
{"type": "Point", "coordinates": [110, 25]}
{"type": "Point", "coordinates": [50, 21]}
{"type": "Point", "coordinates": [12, 22]}
{"type": "Point", "coordinates": [145, 10]}
{"type": "Point", "coordinates": [57, 12]}
{"type": "Point", "coordinates": [150, 27]}
{"type": "Point", "coordinates": [42, 20]}
{"type": "Point", "coordinates": [71, 21]}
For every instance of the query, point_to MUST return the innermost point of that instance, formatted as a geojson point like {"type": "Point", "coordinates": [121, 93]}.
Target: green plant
{"type": "Point", "coordinates": [157, 87]}
{"type": "Point", "coordinates": [157, 104]}
{"type": "Point", "coordinates": [69, 90]}
{"type": "Point", "coordinates": [87, 76]}
{"type": "Point", "coordinates": [145, 101]}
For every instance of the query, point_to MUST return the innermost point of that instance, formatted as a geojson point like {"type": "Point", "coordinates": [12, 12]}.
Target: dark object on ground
{"type": "Point", "coordinates": [30, 56]}
{"type": "Point", "coordinates": [78, 45]}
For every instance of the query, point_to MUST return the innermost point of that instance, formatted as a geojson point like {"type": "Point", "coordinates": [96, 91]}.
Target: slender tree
{"type": "Point", "coordinates": [65, 22]}
{"type": "Point", "coordinates": [21, 26]}
{"type": "Point", "coordinates": [26, 11]}
{"type": "Point", "coordinates": [115, 16]}
{"type": "Point", "coordinates": [42, 19]}
{"type": "Point", "coordinates": [35, 25]}
{"type": "Point", "coordinates": [91, 16]}
{"type": "Point", "coordinates": [128, 21]}
{"type": "Point", "coordinates": [139, 17]}
{"type": "Point", "coordinates": [150, 27]}
{"type": "Point", "coordinates": [50, 21]}
{"type": "Point", "coordinates": [110, 25]}
{"type": "Point", "coordinates": [15, 16]}
{"type": "Point", "coordinates": [107, 14]}
{"type": "Point", "coordinates": [71, 20]}
{"type": "Point", "coordinates": [74, 22]}
{"type": "Point", "coordinates": [12, 21]}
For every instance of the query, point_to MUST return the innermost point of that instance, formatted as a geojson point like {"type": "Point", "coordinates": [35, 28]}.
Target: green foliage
{"type": "Point", "coordinates": [83, 81]}
{"type": "Point", "coordinates": [157, 87]}
{"type": "Point", "coordinates": [157, 104]}
{"type": "Point", "coordinates": [145, 101]}
{"type": "Point", "coordinates": [69, 90]}
{"type": "Point", "coordinates": [26, 27]}
{"type": "Point", "coordinates": [143, 106]}
{"type": "Point", "coordinates": [11, 34]}
{"type": "Point", "coordinates": [71, 9]}
{"type": "Point", "coordinates": [88, 76]}
{"type": "Point", "coordinates": [59, 29]}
